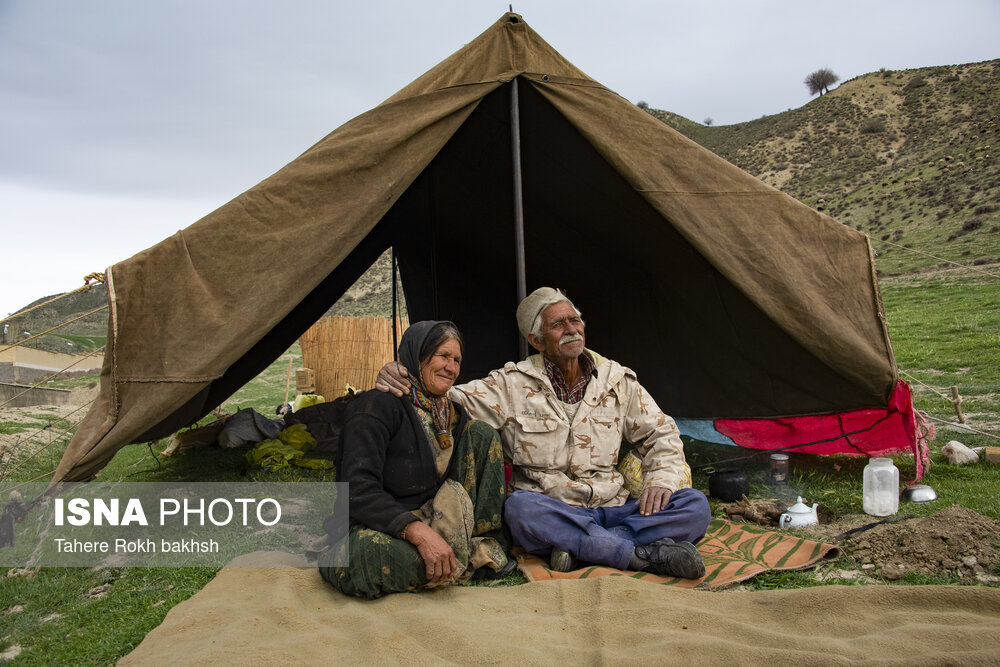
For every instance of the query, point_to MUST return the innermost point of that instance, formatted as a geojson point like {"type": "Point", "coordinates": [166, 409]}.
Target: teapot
{"type": "Point", "coordinates": [799, 515]}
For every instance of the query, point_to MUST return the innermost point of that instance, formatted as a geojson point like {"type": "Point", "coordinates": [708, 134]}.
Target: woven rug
{"type": "Point", "coordinates": [733, 552]}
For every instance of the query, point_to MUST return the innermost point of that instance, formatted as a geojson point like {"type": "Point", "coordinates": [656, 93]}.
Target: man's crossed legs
{"type": "Point", "coordinates": [618, 537]}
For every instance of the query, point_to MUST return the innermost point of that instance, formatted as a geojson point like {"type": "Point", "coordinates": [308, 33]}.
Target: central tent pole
{"type": "Point", "coordinates": [395, 341]}
{"type": "Point", "coordinates": [515, 134]}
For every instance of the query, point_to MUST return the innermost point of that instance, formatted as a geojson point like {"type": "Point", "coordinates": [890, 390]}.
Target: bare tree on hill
{"type": "Point", "coordinates": [821, 80]}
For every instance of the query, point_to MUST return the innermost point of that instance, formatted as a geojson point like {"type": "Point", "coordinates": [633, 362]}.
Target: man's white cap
{"type": "Point", "coordinates": [531, 306]}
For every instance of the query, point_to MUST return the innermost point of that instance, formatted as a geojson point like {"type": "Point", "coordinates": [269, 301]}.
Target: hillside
{"type": "Point", "coordinates": [372, 293]}
{"type": "Point", "coordinates": [84, 335]}
{"type": "Point", "coordinates": [908, 157]}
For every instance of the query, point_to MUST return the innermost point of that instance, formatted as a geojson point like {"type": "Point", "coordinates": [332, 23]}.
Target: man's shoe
{"type": "Point", "coordinates": [673, 559]}
{"type": "Point", "coordinates": [562, 561]}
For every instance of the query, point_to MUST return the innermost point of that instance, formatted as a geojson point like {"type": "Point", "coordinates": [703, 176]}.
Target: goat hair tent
{"type": "Point", "coordinates": [731, 300]}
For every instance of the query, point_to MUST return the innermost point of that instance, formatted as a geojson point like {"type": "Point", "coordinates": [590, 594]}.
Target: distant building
{"type": "Point", "coordinates": [24, 364]}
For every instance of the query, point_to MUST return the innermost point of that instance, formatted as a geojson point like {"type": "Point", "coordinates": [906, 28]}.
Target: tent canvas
{"type": "Point", "coordinates": [728, 297]}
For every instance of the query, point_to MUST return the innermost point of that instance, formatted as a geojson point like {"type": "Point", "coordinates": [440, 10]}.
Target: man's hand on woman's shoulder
{"type": "Point", "coordinates": [393, 378]}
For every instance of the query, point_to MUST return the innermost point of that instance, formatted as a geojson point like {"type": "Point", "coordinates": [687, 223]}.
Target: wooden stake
{"type": "Point", "coordinates": [288, 381]}
{"type": "Point", "coordinates": [957, 401]}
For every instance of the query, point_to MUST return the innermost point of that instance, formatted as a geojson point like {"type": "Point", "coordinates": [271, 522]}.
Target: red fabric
{"type": "Point", "coordinates": [882, 431]}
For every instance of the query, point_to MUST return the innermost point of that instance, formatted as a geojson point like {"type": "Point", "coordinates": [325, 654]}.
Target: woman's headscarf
{"type": "Point", "coordinates": [411, 345]}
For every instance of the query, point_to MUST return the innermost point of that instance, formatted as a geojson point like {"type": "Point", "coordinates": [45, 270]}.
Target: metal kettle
{"type": "Point", "coordinates": [728, 484]}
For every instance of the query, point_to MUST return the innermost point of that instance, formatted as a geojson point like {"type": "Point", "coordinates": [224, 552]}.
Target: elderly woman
{"type": "Point", "coordinates": [426, 482]}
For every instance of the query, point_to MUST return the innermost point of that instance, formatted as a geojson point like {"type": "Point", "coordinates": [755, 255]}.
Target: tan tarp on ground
{"type": "Point", "coordinates": [756, 304]}
{"type": "Point", "coordinates": [277, 616]}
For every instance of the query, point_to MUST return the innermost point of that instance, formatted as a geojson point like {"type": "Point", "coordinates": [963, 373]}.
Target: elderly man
{"type": "Point", "coordinates": [562, 416]}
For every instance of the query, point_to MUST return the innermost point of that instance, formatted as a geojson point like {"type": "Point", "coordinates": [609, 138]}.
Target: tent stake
{"type": "Point", "coordinates": [515, 134]}
{"type": "Point", "coordinates": [957, 401]}
{"type": "Point", "coordinates": [288, 381]}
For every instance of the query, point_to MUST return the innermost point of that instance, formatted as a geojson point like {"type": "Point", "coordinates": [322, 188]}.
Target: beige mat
{"type": "Point", "coordinates": [268, 616]}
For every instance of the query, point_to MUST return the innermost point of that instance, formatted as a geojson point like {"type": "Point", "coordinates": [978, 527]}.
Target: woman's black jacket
{"type": "Point", "coordinates": [386, 459]}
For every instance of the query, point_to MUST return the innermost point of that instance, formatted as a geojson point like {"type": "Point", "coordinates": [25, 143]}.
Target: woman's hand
{"type": "Point", "coordinates": [394, 378]}
{"type": "Point", "coordinates": [437, 554]}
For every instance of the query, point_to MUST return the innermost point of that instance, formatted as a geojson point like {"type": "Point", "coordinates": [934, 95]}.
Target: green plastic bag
{"type": "Point", "coordinates": [288, 448]}
{"type": "Point", "coordinates": [297, 436]}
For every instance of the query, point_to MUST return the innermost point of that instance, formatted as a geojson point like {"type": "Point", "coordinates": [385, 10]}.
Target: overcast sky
{"type": "Point", "coordinates": [123, 121]}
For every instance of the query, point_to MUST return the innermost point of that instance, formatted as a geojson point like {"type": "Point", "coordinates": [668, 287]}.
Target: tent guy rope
{"type": "Point", "coordinates": [955, 399]}
{"type": "Point", "coordinates": [964, 427]}
{"type": "Point", "coordinates": [918, 381]}
{"type": "Point", "coordinates": [942, 259]}
{"type": "Point", "coordinates": [4, 471]}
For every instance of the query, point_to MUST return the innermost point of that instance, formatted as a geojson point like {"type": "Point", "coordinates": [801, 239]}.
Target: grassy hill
{"type": "Point", "coordinates": [909, 157]}
{"type": "Point", "coordinates": [84, 335]}
{"type": "Point", "coordinates": [372, 293]}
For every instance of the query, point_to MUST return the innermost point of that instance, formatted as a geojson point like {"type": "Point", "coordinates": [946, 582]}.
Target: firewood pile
{"type": "Point", "coordinates": [765, 512]}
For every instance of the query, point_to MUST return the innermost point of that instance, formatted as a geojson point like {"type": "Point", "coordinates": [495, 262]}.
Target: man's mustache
{"type": "Point", "coordinates": [569, 338]}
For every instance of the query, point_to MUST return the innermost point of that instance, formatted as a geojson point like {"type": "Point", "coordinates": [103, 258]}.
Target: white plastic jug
{"type": "Point", "coordinates": [881, 487]}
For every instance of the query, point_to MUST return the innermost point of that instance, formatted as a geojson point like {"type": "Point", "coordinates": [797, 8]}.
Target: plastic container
{"type": "Point", "coordinates": [779, 469]}
{"type": "Point", "coordinates": [881, 487]}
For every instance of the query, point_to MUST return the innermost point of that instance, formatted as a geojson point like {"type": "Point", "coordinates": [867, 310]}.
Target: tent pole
{"type": "Point", "coordinates": [395, 343]}
{"type": "Point", "coordinates": [515, 133]}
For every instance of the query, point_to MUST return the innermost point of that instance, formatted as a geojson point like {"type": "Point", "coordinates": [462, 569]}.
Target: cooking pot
{"type": "Point", "coordinates": [728, 484]}
{"type": "Point", "coordinates": [919, 493]}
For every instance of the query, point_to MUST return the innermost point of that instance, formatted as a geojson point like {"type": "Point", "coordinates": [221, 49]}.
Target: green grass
{"type": "Point", "coordinates": [144, 463]}
{"type": "Point", "coordinates": [945, 328]}
{"type": "Point", "coordinates": [59, 624]}
{"type": "Point", "coordinates": [72, 382]}
{"type": "Point", "coordinates": [7, 428]}
{"type": "Point", "coordinates": [82, 344]}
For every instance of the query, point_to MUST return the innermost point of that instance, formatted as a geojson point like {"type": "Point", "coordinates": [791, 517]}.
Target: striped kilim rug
{"type": "Point", "coordinates": [733, 552]}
